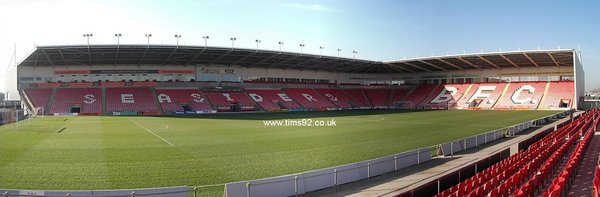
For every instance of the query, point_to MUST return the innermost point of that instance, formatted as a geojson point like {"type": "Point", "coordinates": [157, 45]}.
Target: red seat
{"type": "Point", "coordinates": [519, 193]}
{"type": "Point", "coordinates": [172, 100]}
{"type": "Point", "coordinates": [39, 97]}
{"type": "Point", "coordinates": [341, 98]}
{"type": "Point", "coordinates": [380, 98]}
{"type": "Point", "coordinates": [484, 94]}
{"type": "Point", "coordinates": [419, 94]}
{"type": "Point", "coordinates": [272, 99]}
{"type": "Point", "coordinates": [359, 96]}
{"type": "Point", "coordinates": [398, 95]}
{"type": "Point", "coordinates": [223, 101]}
{"type": "Point", "coordinates": [130, 99]}
{"type": "Point", "coordinates": [556, 191]}
{"type": "Point", "coordinates": [444, 94]}
{"type": "Point", "coordinates": [88, 99]}
{"type": "Point", "coordinates": [494, 193]}
{"type": "Point", "coordinates": [523, 95]}
{"type": "Point", "coordinates": [559, 91]}
{"type": "Point", "coordinates": [309, 99]}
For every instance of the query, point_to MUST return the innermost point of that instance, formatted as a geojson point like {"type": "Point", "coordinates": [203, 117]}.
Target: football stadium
{"type": "Point", "coordinates": [180, 120]}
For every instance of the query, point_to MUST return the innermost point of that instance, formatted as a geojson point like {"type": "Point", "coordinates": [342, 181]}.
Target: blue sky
{"type": "Point", "coordinates": [378, 30]}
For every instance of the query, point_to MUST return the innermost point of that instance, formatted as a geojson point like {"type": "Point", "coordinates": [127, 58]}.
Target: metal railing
{"type": "Point", "coordinates": [300, 183]}
{"type": "Point", "coordinates": [304, 182]}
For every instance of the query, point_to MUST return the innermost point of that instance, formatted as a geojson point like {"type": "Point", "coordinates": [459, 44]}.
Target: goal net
{"type": "Point", "coordinates": [8, 116]}
{"type": "Point", "coordinates": [26, 115]}
{"type": "Point", "coordinates": [33, 112]}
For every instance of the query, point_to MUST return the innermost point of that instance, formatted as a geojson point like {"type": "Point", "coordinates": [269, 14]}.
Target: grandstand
{"type": "Point", "coordinates": [110, 79]}
{"type": "Point", "coordinates": [93, 80]}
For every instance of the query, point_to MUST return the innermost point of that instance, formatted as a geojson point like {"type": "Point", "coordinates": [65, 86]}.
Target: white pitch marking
{"type": "Point", "coordinates": [149, 131]}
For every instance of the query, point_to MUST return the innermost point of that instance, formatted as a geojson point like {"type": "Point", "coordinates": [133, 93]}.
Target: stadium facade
{"type": "Point", "coordinates": [161, 79]}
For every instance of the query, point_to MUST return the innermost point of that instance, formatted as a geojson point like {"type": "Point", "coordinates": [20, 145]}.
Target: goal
{"type": "Point", "coordinates": [27, 114]}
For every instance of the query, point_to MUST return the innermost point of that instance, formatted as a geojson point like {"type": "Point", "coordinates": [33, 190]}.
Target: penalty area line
{"type": "Point", "coordinates": [149, 131]}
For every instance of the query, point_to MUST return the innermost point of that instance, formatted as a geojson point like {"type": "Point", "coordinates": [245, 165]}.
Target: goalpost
{"type": "Point", "coordinates": [33, 113]}
{"type": "Point", "coordinates": [26, 114]}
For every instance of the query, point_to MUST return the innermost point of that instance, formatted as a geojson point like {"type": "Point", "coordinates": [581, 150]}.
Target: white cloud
{"type": "Point", "coordinates": [311, 7]}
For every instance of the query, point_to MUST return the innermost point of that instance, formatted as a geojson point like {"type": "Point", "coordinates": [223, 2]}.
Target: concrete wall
{"type": "Point", "coordinates": [579, 81]}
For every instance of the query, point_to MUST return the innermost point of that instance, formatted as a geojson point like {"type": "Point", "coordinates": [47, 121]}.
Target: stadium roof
{"type": "Point", "coordinates": [74, 55]}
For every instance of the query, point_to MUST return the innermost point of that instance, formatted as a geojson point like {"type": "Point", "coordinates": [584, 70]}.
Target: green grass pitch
{"type": "Point", "coordinates": [138, 152]}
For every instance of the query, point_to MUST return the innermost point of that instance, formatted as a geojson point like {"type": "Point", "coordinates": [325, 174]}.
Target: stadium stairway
{"type": "Point", "coordinates": [258, 106]}
{"type": "Point", "coordinates": [524, 173]}
{"type": "Point", "coordinates": [222, 103]}
{"type": "Point", "coordinates": [364, 95]}
{"type": "Point", "coordinates": [358, 95]}
{"type": "Point", "coordinates": [544, 96]}
{"type": "Point", "coordinates": [104, 100]}
{"type": "Point", "coordinates": [50, 101]}
{"type": "Point", "coordinates": [378, 97]}
{"type": "Point", "coordinates": [390, 100]}
{"type": "Point", "coordinates": [421, 92]}
{"type": "Point", "coordinates": [309, 98]}
{"type": "Point", "coordinates": [26, 99]}
{"type": "Point", "coordinates": [86, 98]}
{"type": "Point", "coordinates": [138, 99]}
{"type": "Point", "coordinates": [425, 102]}
{"type": "Point", "coordinates": [404, 182]}
{"type": "Point", "coordinates": [340, 98]}
{"type": "Point", "coordinates": [39, 97]}
{"type": "Point", "coordinates": [206, 105]}
{"type": "Point", "coordinates": [489, 101]}
{"type": "Point", "coordinates": [172, 100]}
{"type": "Point", "coordinates": [156, 102]}
{"type": "Point", "coordinates": [460, 91]}
{"type": "Point", "coordinates": [558, 91]}
{"type": "Point", "coordinates": [399, 94]}
{"type": "Point", "coordinates": [583, 182]}
{"type": "Point", "coordinates": [529, 95]}
{"type": "Point", "coordinates": [268, 99]}
{"type": "Point", "coordinates": [547, 95]}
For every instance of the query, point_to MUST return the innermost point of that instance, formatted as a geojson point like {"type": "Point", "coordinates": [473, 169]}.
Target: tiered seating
{"type": "Point", "coordinates": [309, 99]}
{"type": "Point", "coordinates": [130, 100]}
{"type": "Point", "coordinates": [567, 173]}
{"type": "Point", "coordinates": [89, 100]}
{"type": "Point", "coordinates": [379, 98]}
{"type": "Point", "coordinates": [341, 98]}
{"type": "Point", "coordinates": [518, 95]}
{"type": "Point", "coordinates": [524, 173]}
{"type": "Point", "coordinates": [270, 99]}
{"type": "Point", "coordinates": [39, 97]}
{"type": "Point", "coordinates": [522, 95]}
{"type": "Point", "coordinates": [359, 96]}
{"type": "Point", "coordinates": [481, 95]}
{"type": "Point", "coordinates": [444, 94]}
{"type": "Point", "coordinates": [596, 181]}
{"type": "Point", "coordinates": [224, 101]}
{"type": "Point", "coordinates": [172, 100]}
{"type": "Point", "coordinates": [398, 95]}
{"type": "Point", "coordinates": [419, 94]}
{"type": "Point", "coordinates": [557, 92]}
